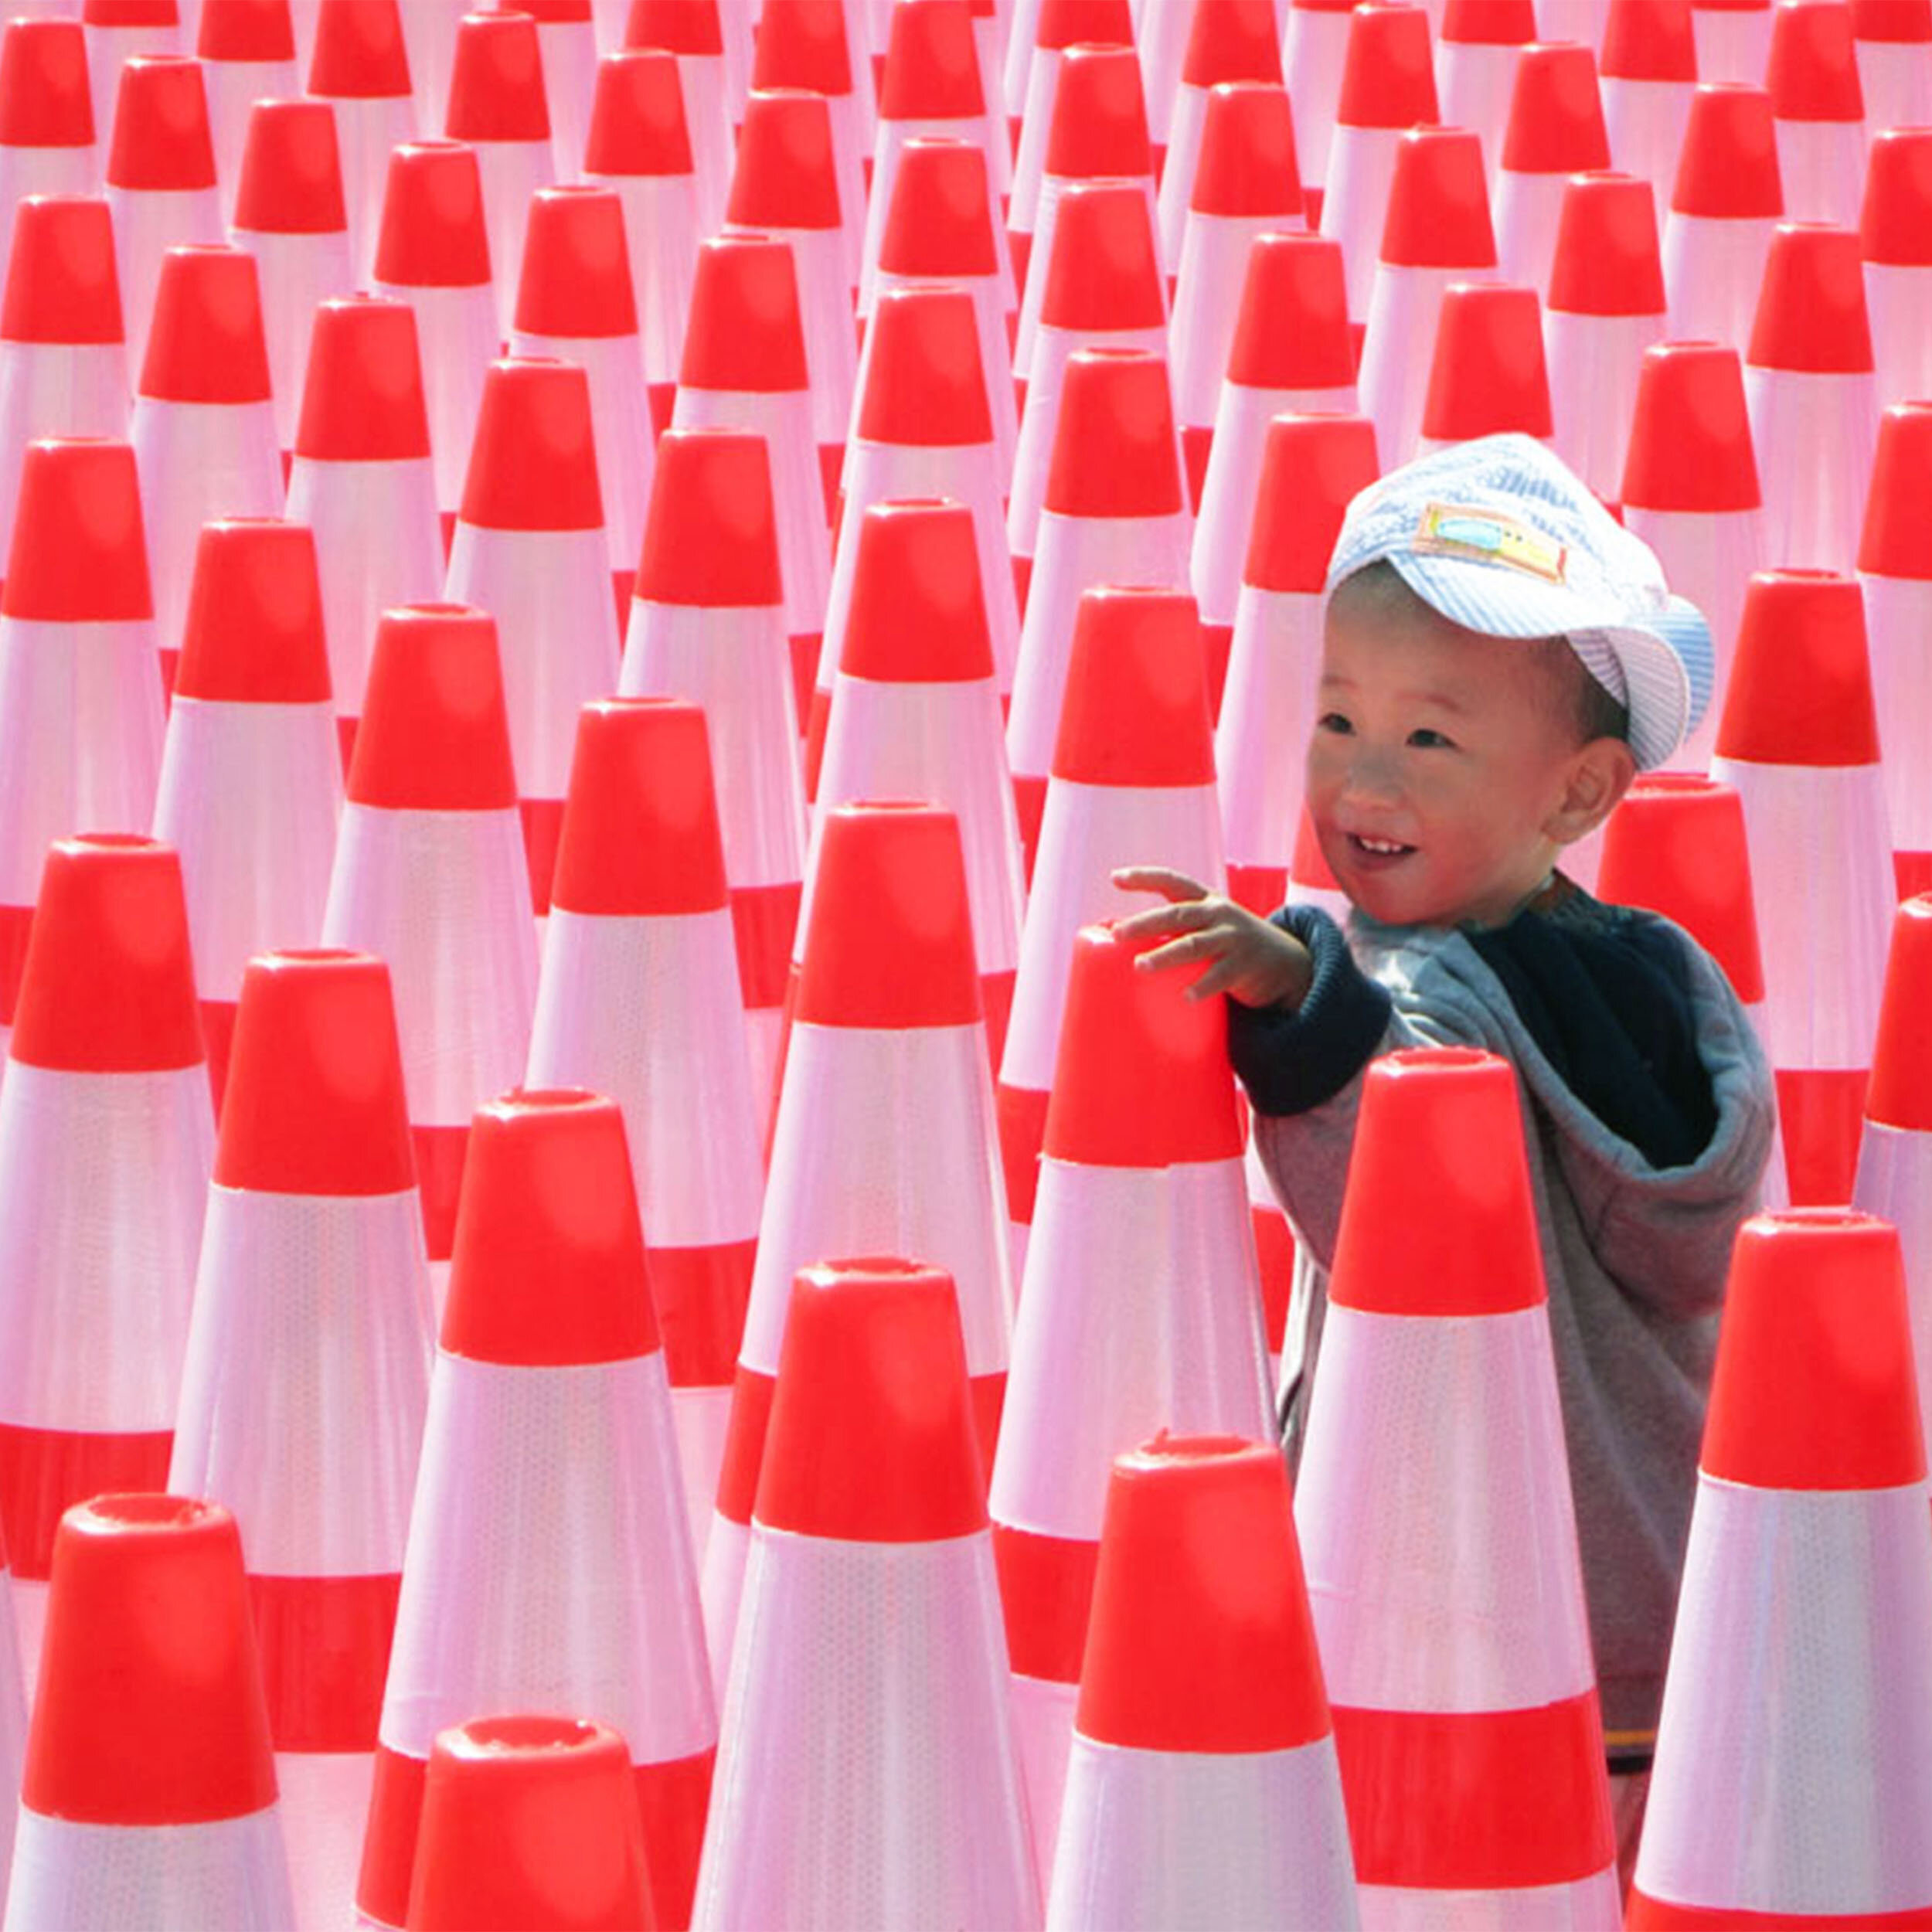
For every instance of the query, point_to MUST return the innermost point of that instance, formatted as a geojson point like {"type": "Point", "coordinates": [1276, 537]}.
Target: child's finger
{"type": "Point", "coordinates": [1178, 916]}
{"type": "Point", "coordinates": [1164, 879]}
{"type": "Point", "coordinates": [1189, 948]}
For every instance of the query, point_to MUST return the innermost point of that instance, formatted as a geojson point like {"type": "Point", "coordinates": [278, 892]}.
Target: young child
{"type": "Point", "coordinates": [1499, 658]}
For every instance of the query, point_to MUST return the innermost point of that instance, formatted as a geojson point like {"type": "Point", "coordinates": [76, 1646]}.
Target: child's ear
{"type": "Point", "coordinates": [1599, 775]}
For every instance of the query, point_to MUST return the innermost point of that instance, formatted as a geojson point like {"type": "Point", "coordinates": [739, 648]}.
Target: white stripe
{"type": "Point", "coordinates": [1593, 362]}
{"type": "Point", "coordinates": [660, 232]}
{"type": "Point", "coordinates": [1590, 1905]}
{"type": "Point", "coordinates": [147, 222]}
{"type": "Point", "coordinates": [1527, 207]}
{"type": "Point", "coordinates": [1820, 166]}
{"type": "Point", "coordinates": [1645, 122]}
{"type": "Point", "coordinates": [511, 171]}
{"type": "Point", "coordinates": [1896, 78]}
{"type": "Point", "coordinates": [825, 315]}
{"type": "Point", "coordinates": [1473, 81]}
{"type": "Point", "coordinates": [1895, 1182]}
{"type": "Point", "coordinates": [1713, 266]}
{"type": "Point", "coordinates": [1895, 297]}
{"type": "Point", "coordinates": [53, 389]}
{"type": "Point", "coordinates": [457, 339]}
{"type": "Point", "coordinates": [1360, 169]}
{"type": "Point", "coordinates": [1036, 115]}
{"type": "Point", "coordinates": [295, 271]}
{"type": "Point", "coordinates": [1207, 304]}
{"type": "Point", "coordinates": [727, 1548]}
{"type": "Point", "coordinates": [1898, 619]}
{"type": "Point", "coordinates": [702, 1418]}
{"type": "Point", "coordinates": [1042, 1714]}
{"type": "Point", "coordinates": [1187, 109]}
{"type": "Point", "coordinates": [1313, 49]}
{"type": "Point", "coordinates": [325, 1809]}
{"type": "Point", "coordinates": [1814, 435]}
{"type": "Point", "coordinates": [1398, 348]}
{"type": "Point", "coordinates": [1269, 707]}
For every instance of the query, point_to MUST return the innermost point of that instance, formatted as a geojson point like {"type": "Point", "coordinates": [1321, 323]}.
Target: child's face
{"type": "Point", "coordinates": [1441, 770]}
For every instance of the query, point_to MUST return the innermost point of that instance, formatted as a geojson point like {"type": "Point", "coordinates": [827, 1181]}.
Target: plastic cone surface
{"type": "Point", "coordinates": [1487, 375]}
{"type": "Point", "coordinates": [1812, 78]}
{"type": "Point", "coordinates": [1892, 238]}
{"type": "Point", "coordinates": [1892, 44]}
{"type": "Point", "coordinates": [48, 138]}
{"type": "Point", "coordinates": [692, 30]}
{"type": "Point", "coordinates": [1477, 46]}
{"type": "Point", "coordinates": [247, 53]}
{"type": "Point", "coordinates": [360, 66]}
{"type": "Point", "coordinates": [1314, 52]}
{"type": "Point", "coordinates": [1647, 67]}
{"type": "Point", "coordinates": [1202, 1727]}
{"type": "Point", "coordinates": [567, 44]}
{"type": "Point", "coordinates": [1726, 196]}
{"type": "Point", "coordinates": [116, 33]}
{"type": "Point", "coordinates": [1733, 39]}
{"type": "Point", "coordinates": [1555, 130]}
{"type": "Point", "coordinates": [1822, 1497]}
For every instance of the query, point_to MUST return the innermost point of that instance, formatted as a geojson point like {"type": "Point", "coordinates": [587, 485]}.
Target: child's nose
{"type": "Point", "coordinates": [1371, 776]}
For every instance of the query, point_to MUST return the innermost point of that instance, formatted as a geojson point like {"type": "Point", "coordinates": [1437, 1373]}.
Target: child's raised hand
{"type": "Point", "coordinates": [1245, 957]}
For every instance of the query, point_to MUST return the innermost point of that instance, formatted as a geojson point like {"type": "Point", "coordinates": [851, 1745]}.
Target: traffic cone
{"type": "Point", "coordinates": [1892, 43]}
{"type": "Point", "coordinates": [251, 775]}
{"type": "Point", "coordinates": [887, 1005]}
{"type": "Point", "coordinates": [1893, 226]}
{"type": "Point", "coordinates": [361, 67]}
{"type": "Point", "coordinates": [871, 1618]}
{"type": "Point", "coordinates": [1457, 1648]}
{"type": "Point", "coordinates": [1809, 383]}
{"type": "Point", "coordinates": [1476, 54]}
{"type": "Point", "coordinates": [1487, 375]}
{"type": "Point", "coordinates": [1645, 75]}
{"type": "Point", "coordinates": [567, 43]}
{"type": "Point", "coordinates": [1799, 741]}
{"type": "Point", "coordinates": [1690, 491]}
{"type": "Point", "coordinates": [639, 147]}
{"type": "Point", "coordinates": [1822, 1486]}
{"type": "Point", "coordinates": [1733, 40]}
{"type": "Point", "coordinates": [307, 1374]}
{"type": "Point", "coordinates": [707, 625]}
{"type": "Point", "coordinates": [1202, 1777]}
{"type": "Point", "coordinates": [1142, 1233]}
{"type": "Point", "coordinates": [1725, 200]}
{"type": "Point", "coordinates": [48, 140]}
{"type": "Point", "coordinates": [530, 1821]}
{"type": "Point", "coordinates": [745, 367]}
{"type": "Point", "coordinates": [641, 903]}
{"type": "Point", "coordinates": [577, 304]}
{"type": "Point", "coordinates": [247, 53]}
{"type": "Point", "coordinates": [1818, 110]}
{"type": "Point", "coordinates": [1314, 52]}
{"type": "Point", "coordinates": [548, 1453]}
{"type": "Point", "coordinates": [428, 35]}
{"type": "Point", "coordinates": [203, 425]}
{"type": "Point", "coordinates": [118, 30]}
{"type": "Point", "coordinates": [690, 29]}
{"type": "Point", "coordinates": [150, 1793]}
{"type": "Point", "coordinates": [430, 875]}
{"type": "Point", "coordinates": [1161, 35]}
{"type": "Point", "coordinates": [1555, 130]}
{"type": "Point", "coordinates": [1114, 512]}
{"type": "Point", "coordinates": [106, 1135]}
{"type": "Point", "coordinates": [1133, 784]}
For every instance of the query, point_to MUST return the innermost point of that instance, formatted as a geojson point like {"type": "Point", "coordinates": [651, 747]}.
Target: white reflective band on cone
{"type": "Point", "coordinates": [295, 274]}
{"type": "Point", "coordinates": [1895, 1182]}
{"type": "Point", "coordinates": [1814, 435]}
{"type": "Point", "coordinates": [1713, 265]}
{"type": "Point", "coordinates": [1398, 348]}
{"type": "Point", "coordinates": [457, 337]}
{"type": "Point", "coordinates": [1361, 170]}
{"type": "Point", "coordinates": [1898, 618]}
{"type": "Point", "coordinates": [148, 222]}
{"type": "Point", "coordinates": [1273, 669]}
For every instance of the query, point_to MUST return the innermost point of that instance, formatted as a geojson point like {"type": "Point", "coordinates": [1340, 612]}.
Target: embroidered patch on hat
{"type": "Point", "coordinates": [1489, 536]}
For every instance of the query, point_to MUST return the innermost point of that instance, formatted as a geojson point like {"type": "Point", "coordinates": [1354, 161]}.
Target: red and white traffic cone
{"type": "Point", "coordinates": [361, 67]}
{"type": "Point", "coordinates": [1813, 1471]}
{"type": "Point", "coordinates": [1555, 130]}
{"type": "Point", "coordinates": [251, 773]}
{"type": "Point", "coordinates": [247, 53]}
{"type": "Point", "coordinates": [690, 29]}
{"type": "Point", "coordinates": [1486, 375]}
{"type": "Point", "coordinates": [431, 875]}
{"type": "Point", "coordinates": [150, 1790]}
{"type": "Point", "coordinates": [307, 1375]}
{"type": "Point", "coordinates": [1202, 1726]}
{"type": "Point", "coordinates": [1161, 34]}
{"type": "Point", "coordinates": [1817, 111]}
{"type": "Point", "coordinates": [1812, 392]}
{"type": "Point", "coordinates": [1314, 49]}
{"type": "Point", "coordinates": [641, 902]}
{"type": "Point", "coordinates": [1733, 40]}
{"type": "Point", "coordinates": [1725, 200]}
{"type": "Point", "coordinates": [887, 1004]}
{"type": "Point", "coordinates": [116, 32]}
{"type": "Point", "coordinates": [106, 1137]}
{"type": "Point", "coordinates": [1893, 226]}
{"type": "Point", "coordinates": [1645, 75]}
{"type": "Point", "coordinates": [48, 143]}
{"type": "Point", "coordinates": [1115, 512]}
{"type": "Point", "coordinates": [1476, 52]}
{"type": "Point", "coordinates": [707, 623]}
{"type": "Point", "coordinates": [429, 37]}
{"type": "Point", "coordinates": [203, 426]}
{"type": "Point", "coordinates": [871, 1615]}
{"type": "Point", "coordinates": [639, 147]}
{"type": "Point", "coordinates": [1892, 43]}
{"type": "Point", "coordinates": [1799, 741]}
{"type": "Point", "coordinates": [1458, 1658]}
{"type": "Point", "coordinates": [549, 1452]}
{"type": "Point", "coordinates": [1142, 1233]}
{"type": "Point", "coordinates": [567, 42]}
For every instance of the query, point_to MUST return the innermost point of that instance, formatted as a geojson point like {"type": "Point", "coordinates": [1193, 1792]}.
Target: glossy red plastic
{"type": "Point", "coordinates": [932, 67]}
{"type": "Point", "coordinates": [1900, 1094]}
{"type": "Point", "coordinates": [803, 45]}
{"type": "Point", "coordinates": [251, 30]}
{"type": "Point", "coordinates": [44, 97]}
{"type": "Point", "coordinates": [1103, 271]}
{"type": "Point", "coordinates": [131, 13]}
{"type": "Point", "coordinates": [1246, 165]}
{"type": "Point", "coordinates": [161, 138]}
{"type": "Point", "coordinates": [1114, 453]}
{"type": "Point", "coordinates": [1311, 466]}
{"type": "Point", "coordinates": [683, 26]}
{"type": "Point", "coordinates": [637, 117]}
{"type": "Point", "coordinates": [918, 614]}
{"type": "Point", "coordinates": [1556, 123]}
{"type": "Point", "coordinates": [1811, 308]}
{"type": "Point", "coordinates": [1487, 374]}
{"type": "Point", "coordinates": [1648, 40]}
{"type": "Point", "coordinates": [1233, 40]}
{"type": "Point", "coordinates": [1489, 23]}
{"type": "Point", "coordinates": [62, 284]}
{"type": "Point", "coordinates": [939, 221]}
{"type": "Point", "coordinates": [1727, 167]}
{"type": "Point", "coordinates": [744, 331]}
{"type": "Point", "coordinates": [1801, 683]}
{"type": "Point", "coordinates": [205, 344]}
{"type": "Point", "coordinates": [433, 233]}
{"type": "Point", "coordinates": [79, 549]}
{"type": "Point", "coordinates": [1293, 329]}
{"type": "Point", "coordinates": [925, 384]}
{"type": "Point", "coordinates": [1897, 540]}
{"type": "Point", "coordinates": [533, 465]}
{"type": "Point", "coordinates": [785, 174]}
{"type": "Point", "coordinates": [577, 280]}
{"type": "Point", "coordinates": [709, 535]}
{"type": "Point", "coordinates": [1388, 80]}
{"type": "Point", "coordinates": [1897, 22]}
{"type": "Point", "coordinates": [496, 85]}
{"type": "Point", "coordinates": [1099, 126]}
{"type": "Point", "coordinates": [1606, 261]}
{"type": "Point", "coordinates": [1067, 23]}
{"type": "Point", "coordinates": [359, 52]}
{"type": "Point", "coordinates": [254, 631]}
{"type": "Point", "coordinates": [1895, 221]}
{"type": "Point", "coordinates": [1135, 711]}
{"type": "Point", "coordinates": [1812, 73]}
{"type": "Point", "coordinates": [363, 401]}
{"type": "Point", "coordinates": [1438, 214]}
{"type": "Point", "coordinates": [1690, 434]}
{"type": "Point", "coordinates": [291, 171]}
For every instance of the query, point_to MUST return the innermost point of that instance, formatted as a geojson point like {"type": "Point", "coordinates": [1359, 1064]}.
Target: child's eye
{"type": "Point", "coordinates": [1428, 740]}
{"type": "Point", "coordinates": [1335, 722]}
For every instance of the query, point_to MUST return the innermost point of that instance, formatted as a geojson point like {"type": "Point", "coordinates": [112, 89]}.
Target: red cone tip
{"type": "Point", "coordinates": [206, 342]}
{"type": "Point", "coordinates": [548, 1268]}
{"type": "Point", "coordinates": [1690, 436]}
{"type": "Point", "coordinates": [1437, 1219]}
{"type": "Point", "coordinates": [1812, 74]}
{"type": "Point", "coordinates": [1555, 125]}
{"type": "Point", "coordinates": [549, 12]}
{"type": "Point", "coordinates": [1606, 261]}
{"type": "Point", "coordinates": [1676, 846]}
{"type": "Point", "coordinates": [1311, 466]}
{"type": "Point", "coordinates": [1142, 1078]}
{"type": "Point", "coordinates": [1200, 1638]}
{"type": "Point", "coordinates": [932, 66]}
{"type": "Point", "coordinates": [1649, 40]}
{"type": "Point", "coordinates": [108, 987]}
{"type": "Point", "coordinates": [637, 117]}
{"type": "Point", "coordinates": [534, 465]}
{"type": "Point", "coordinates": [1801, 684]}
{"type": "Point", "coordinates": [252, 30]}
{"type": "Point", "coordinates": [62, 286]}
{"type": "Point", "coordinates": [1067, 23]}
{"type": "Point", "coordinates": [254, 633]}
{"type": "Point", "coordinates": [1727, 167]}
{"type": "Point", "coordinates": [529, 1821]}
{"type": "Point", "coordinates": [1901, 1090]}
{"type": "Point", "coordinates": [291, 171]}
{"type": "Point", "coordinates": [1487, 375]}
{"type": "Point", "coordinates": [1490, 23]}
{"type": "Point", "coordinates": [785, 174]}
{"type": "Point", "coordinates": [684, 26]}
{"type": "Point", "coordinates": [872, 1437]}
{"type": "Point", "coordinates": [496, 88]}
{"type": "Point", "coordinates": [1897, 540]}
{"type": "Point", "coordinates": [1247, 164]}
{"type": "Point", "coordinates": [709, 535]}
{"type": "Point", "coordinates": [434, 735]}
{"type": "Point", "coordinates": [1114, 450]}
{"type": "Point", "coordinates": [161, 137]}
{"type": "Point", "coordinates": [939, 221]}
{"type": "Point", "coordinates": [1104, 269]}
{"type": "Point", "coordinates": [1899, 22]}
{"type": "Point", "coordinates": [44, 97]}
{"type": "Point", "coordinates": [131, 13]}
{"type": "Point", "coordinates": [1233, 40]}
{"type": "Point", "coordinates": [1136, 711]}
{"type": "Point", "coordinates": [150, 1709]}
{"type": "Point", "coordinates": [1895, 221]}
{"type": "Point", "coordinates": [1387, 78]}
{"type": "Point", "coordinates": [363, 400]}
{"type": "Point", "coordinates": [314, 1102]}
{"type": "Point", "coordinates": [640, 837]}
{"type": "Point", "coordinates": [925, 385]}
{"type": "Point", "coordinates": [803, 45]}
{"type": "Point", "coordinates": [80, 550]}
{"type": "Point", "coordinates": [1293, 331]}
{"type": "Point", "coordinates": [359, 52]}
{"type": "Point", "coordinates": [1438, 213]}
{"type": "Point", "coordinates": [918, 613]}
{"type": "Point", "coordinates": [1099, 126]}
{"type": "Point", "coordinates": [1810, 306]}
{"type": "Point", "coordinates": [577, 266]}
{"type": "Point", "coordinates": [744, 331]}
{"type": "Point", "coordinates": [1814, 1387]}
{"type": "Point", "coordinates": [888, 942]}
{"type": "Point", "coordinates": [433, 233]}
